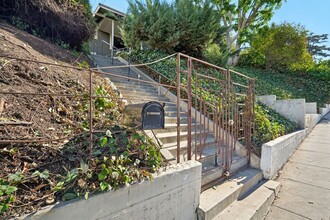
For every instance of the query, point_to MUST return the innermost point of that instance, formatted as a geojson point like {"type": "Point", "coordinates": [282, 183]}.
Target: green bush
{"type": "Point", "coordinates": [179, 26]}
{"type": "Point", "coordinates": [251, 58]}
{"type": "Point", "coordinates": [320, 70]}
{"type": "Point", "coordinates": [214, 55]}
{"type": "Point", "coordinates": [281, 48]}
{"type": "Point", "coordinates": [270, 125]}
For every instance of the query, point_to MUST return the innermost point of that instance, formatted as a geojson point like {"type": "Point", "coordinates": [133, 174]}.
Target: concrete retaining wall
{"type": "Point", "coordinates": [293, 109]}
{"type": "Point", "coordinates": [276, 153]}
{"type": "Point", "coordinates": [311, 108]}
{"type": "Point", "coordinates": [173, 194]}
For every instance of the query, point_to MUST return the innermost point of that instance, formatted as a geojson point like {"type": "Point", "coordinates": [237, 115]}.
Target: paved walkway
{"type": "Point", "coordinates": [305, 180]}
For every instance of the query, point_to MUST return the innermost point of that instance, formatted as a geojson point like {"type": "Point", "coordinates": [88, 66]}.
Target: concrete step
{"type": "Point", "coordinates": [134, 92]}
{"type": "Point", "coordinates": [213, 173]}
{"type": "Point", "coordinates": [170, 137]}
{"type": "Point", "coordinates": [172, 147]}
{"type": "Point", "coordinates": [216, 199]}
{"type": "Point", "coordinates": [123, 89]}
{"type": "Point", "coordinates": [132, 84]}
{"type": "Point", "coordinates": [146, 99]}
{"type": "Point", "coordinates": [254, 205]}
{"type": "Point", "coordinates": [175, 113]}
{"type": "Point", "coordinates": [183, 144]}
{"type": "Point", "coordinates": [146, 96]}
{"type": "Point", "coordinates": [173, 127]}
{"type": "Point", "coordinates": [173, 120]}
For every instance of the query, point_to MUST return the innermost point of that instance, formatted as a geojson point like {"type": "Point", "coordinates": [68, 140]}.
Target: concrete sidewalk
{"type": "Point", "coordinates": [305, 179]}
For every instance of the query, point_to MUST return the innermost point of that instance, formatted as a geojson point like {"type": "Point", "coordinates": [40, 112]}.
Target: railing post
{"type": "Point", "coordinates": [178, 106]}
{"type": "Point", "coordinates": [159, 82]}
{"type": "Point", "coordinates": [90, 115]}
{"type": "Point", "coordinates": [112, 58]}
{"type": "Point", "coordinates": [249, 117]}
{"type": "Point", "coordinates": [189, 107]}
{"type": "Point", "coordinates": [129, 68]}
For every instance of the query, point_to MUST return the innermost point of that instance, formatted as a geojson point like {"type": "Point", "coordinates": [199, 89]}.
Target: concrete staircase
{"type": "Point", "coordinates": [141, 92]}
{"type": "Point", "coordinates": [244, 196]}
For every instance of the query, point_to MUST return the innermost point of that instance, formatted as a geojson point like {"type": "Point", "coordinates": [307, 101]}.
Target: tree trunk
{"type": "Point", "coordinates": [233, 60]}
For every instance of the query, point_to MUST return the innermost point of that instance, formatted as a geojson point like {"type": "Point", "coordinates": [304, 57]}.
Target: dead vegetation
{"type": "Point", "coordinates": [44, 139]}
{"type": "Point", "coordinates": [68, 21]}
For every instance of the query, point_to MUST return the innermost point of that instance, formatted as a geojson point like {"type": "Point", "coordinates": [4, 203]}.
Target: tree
{"type": "Point", "coordinates": [243, 18]}
{"type": "Point", "coordinates": [280, 48]}
{"type": "Point", "coordinates": [316, 45]}
{"type": "Point", "coordinates": [182, 26]}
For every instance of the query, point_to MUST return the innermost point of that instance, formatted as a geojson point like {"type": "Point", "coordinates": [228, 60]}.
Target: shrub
{"type": "Point", "coordinates": [321, 70]}
{"type": "Point", "coordinates": [180, 26]}
{"type": "Point", "coordinates": [279, 48]}
{"type": "Point", "coordinates": [216, 56]}
{"type": "Point", "coordinates": [270, 125]}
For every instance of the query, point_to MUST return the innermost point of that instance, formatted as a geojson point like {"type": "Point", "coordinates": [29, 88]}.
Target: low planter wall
{"type": "Point", "coordinates": [173, 194]}
{"type": "Point", "coordinates": [276, 153]}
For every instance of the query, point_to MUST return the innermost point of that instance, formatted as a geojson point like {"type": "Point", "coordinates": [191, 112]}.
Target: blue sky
{"type": "Point", "coordinates": [313, 14]}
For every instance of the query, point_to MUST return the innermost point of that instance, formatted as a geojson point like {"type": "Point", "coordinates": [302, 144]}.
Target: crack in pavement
{"type": "Point", "coordinates": [287, 210]}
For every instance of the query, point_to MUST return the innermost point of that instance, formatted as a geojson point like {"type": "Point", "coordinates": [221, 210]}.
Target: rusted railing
{"type": "Point", "coordinates": [220, 111]}
{"type": "Point", "coordinates": [82, 74]}
{"type": "Point", "coordinates": [221, 122]}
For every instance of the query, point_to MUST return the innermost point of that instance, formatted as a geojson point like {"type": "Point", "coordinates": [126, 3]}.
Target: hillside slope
{"type": "Point", "coordinates": [290, 86]}
{"type": "Point", "coordinates": [45, 155]}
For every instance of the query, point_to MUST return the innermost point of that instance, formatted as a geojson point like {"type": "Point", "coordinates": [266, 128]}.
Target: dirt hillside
{"type": "Point", "coordinates": [27, 117]}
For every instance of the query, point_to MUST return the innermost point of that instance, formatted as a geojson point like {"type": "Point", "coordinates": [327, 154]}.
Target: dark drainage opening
{"type": "Point", "coordinates": [153, 116]}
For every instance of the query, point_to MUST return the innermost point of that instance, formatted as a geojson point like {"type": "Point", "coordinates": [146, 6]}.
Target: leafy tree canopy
{"type": "Point", "coordinates": [183, 26]}
{"type": "Point", "coordinates": [281, 48]}
{"type": "Point", "coordinates": [316, 45]}
{"type": "Point", "coordinates": [242, 18]}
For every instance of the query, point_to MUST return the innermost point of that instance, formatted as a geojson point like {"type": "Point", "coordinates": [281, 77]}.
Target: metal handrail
{"type": "Point", "coordinates": [172, 82]}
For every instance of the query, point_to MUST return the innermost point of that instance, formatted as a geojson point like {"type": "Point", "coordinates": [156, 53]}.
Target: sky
{"type": "Point", "coordinates": [314, 15]}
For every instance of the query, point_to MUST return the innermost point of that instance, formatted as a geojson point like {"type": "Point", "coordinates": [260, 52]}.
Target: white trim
{"type": "Point", "coordinates": [108, 9]}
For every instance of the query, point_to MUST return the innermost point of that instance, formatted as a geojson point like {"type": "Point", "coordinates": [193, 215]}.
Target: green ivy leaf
{"type": "Point", "coordinates": [104, 186]}
{"type": "Point", "coordinates": [112, 142]}
{"type": "Point", "coordinates": [69, 196]}
{"type": "Point", "coordinates": [10, 190]}
{"type": "Point", "coordinates": [58, 187]}
{"type": "Point", "coordinates": [86, 195]}
{"type": "Point", "coordinates": [44, 174]}
{"type": "Point", "coordinates": [3, 207]}
{"type": "Point", "coordinates": [84, 166]}
{"type": "Point", "coordinates": [108, 134]}
{"type": "Point", "coordinates": [17, 177]}
{"type": "Point", "coordinates": [71, 175]}
{"type": "Point", "coordinates": [102, 175]}
{"type": "Point", "coordinates": [35, 174]}
{"type": "Point", "coordinates": [136, 136]}
{"type": "Point", "coordinates": [97, 153]}
{"type": "Point", "coordinates": [103, 141]}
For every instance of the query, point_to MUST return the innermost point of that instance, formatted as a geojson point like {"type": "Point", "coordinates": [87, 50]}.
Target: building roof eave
{"type": "Point", "coordinates": [116, 12]}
